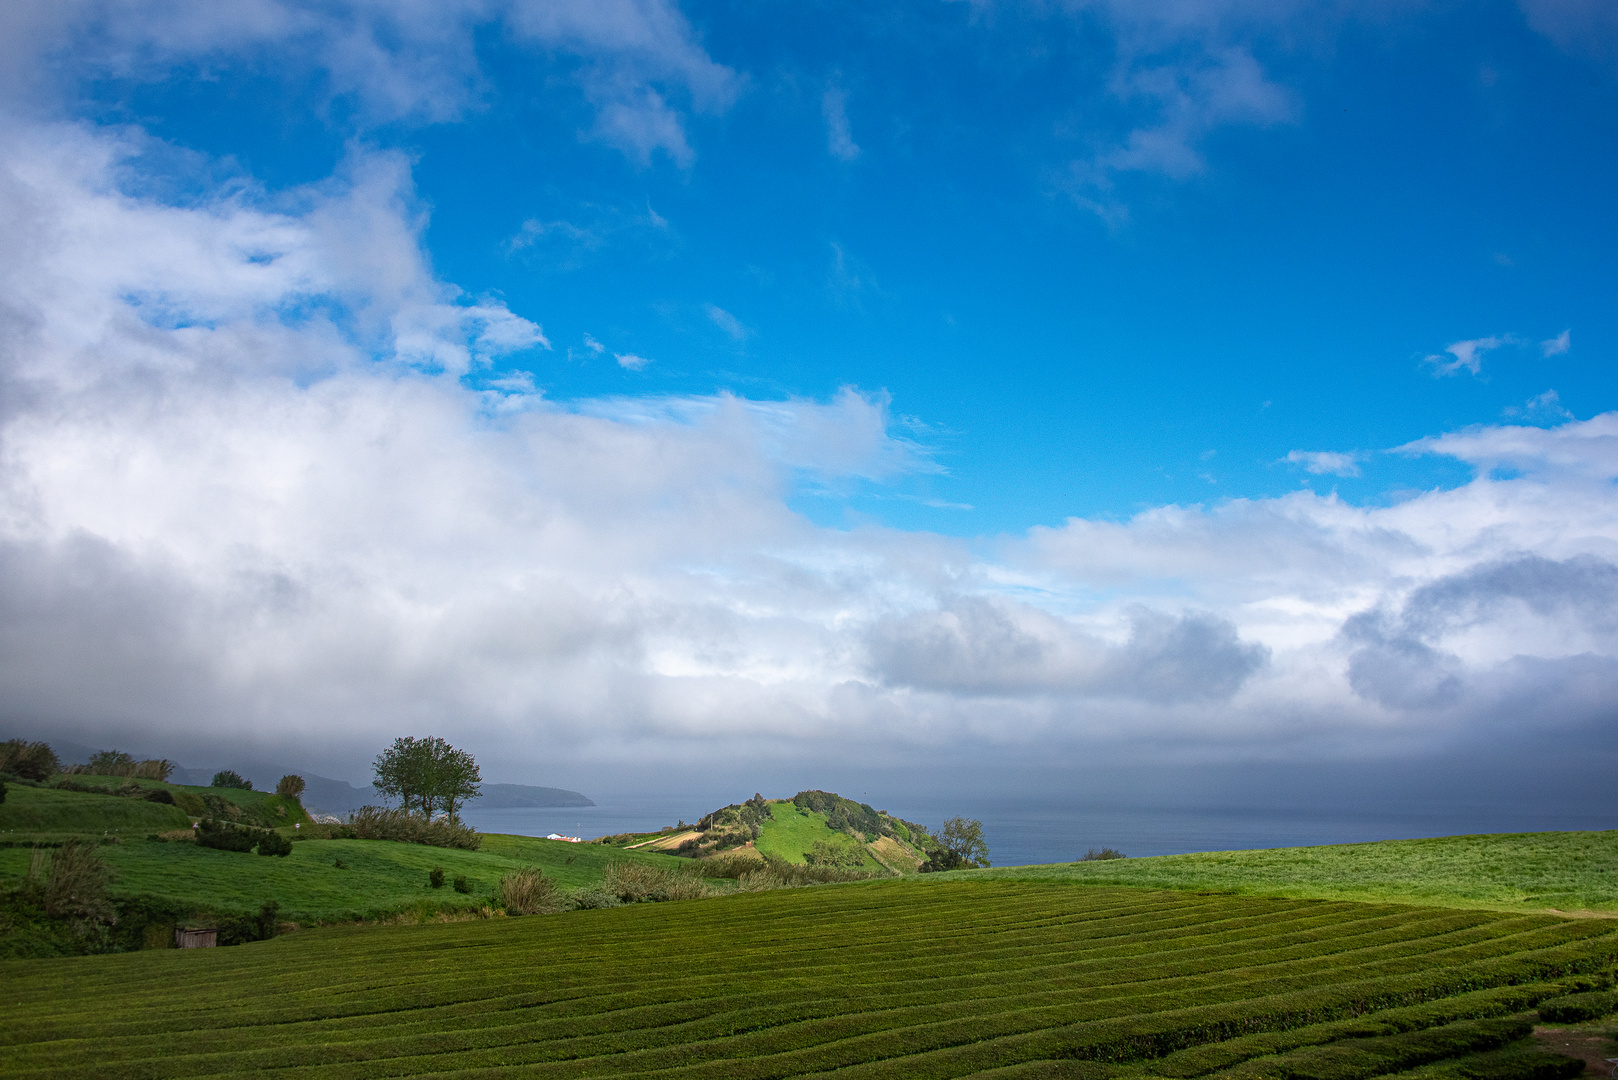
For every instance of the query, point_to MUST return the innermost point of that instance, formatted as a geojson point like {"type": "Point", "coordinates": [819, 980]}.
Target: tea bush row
{"type": "Point", "coordinates": [882, 980]}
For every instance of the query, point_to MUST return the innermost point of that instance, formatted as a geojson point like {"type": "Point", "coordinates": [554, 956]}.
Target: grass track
{"type": "Point", "coordinates": [884, 979]}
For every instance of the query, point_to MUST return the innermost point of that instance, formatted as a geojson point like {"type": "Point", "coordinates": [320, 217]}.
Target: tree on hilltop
{"type": "Point", "coordinates": [427, 774]}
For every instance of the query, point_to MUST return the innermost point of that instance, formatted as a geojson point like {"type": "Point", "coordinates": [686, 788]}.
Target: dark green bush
{"type": "Point", "coordinates": [2, 791]}
{"type": "Point", "coordinates": [29, 760]}
{"type": "Point", "coordinates": [271, 842]}
{"type": "Point", "coordinates": [435, 877]}
{"type": "Point", "coordinates": [462, 885]}
{"type": "Point", "coordinates": [590, 899]}
{"type": "Point", "coordinates": [223, 836]}
{"type": "Point", "coordinates": [232, 779]}
{"type": "Point", "coordinates": [940, 859]}
{"type": "Point", "coordinates": [1098, 854]}
{"type": "Point", "coordinates": [376, 823]}
{"type": "Point", "coordinates": [1577, 1008]}
{"type": "Point", "coordinates": [290, 786]}
{"type": "Point", "coordinates": [160, 795]}
{"type": "Point", "coordinates": [240, 929]}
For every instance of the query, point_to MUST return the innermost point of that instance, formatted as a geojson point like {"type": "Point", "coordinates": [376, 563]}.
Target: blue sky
{"type": "Point", "coordinates": [1161, 333]}
{"type": "Point", "coordinates": [777, 387]}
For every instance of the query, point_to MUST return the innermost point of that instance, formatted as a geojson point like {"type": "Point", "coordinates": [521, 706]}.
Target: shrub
{"type": "Point", "coordinates": [635, 882]}
{"type": "Point", "coordinates": [375, 823]}
{"type": "Point", "coordinates": [2, 791]}
{"type": "Point", "coordinates": [240, 929]}
{"type": "Point", "coordinates": [1098, 854]}
{"type": "Point", "coordinates": [159, 795]}
{"type": "Point", "coordinates": [435, 877]}
{"type": "Point", "coordinates": [529, 892]}
{"type": "Point", "coordinates": [76, 884]}
{"type": "Point", "coordinates": [1577, 1008]}
{"type": "Point", "coordinates": [271, 842]}
{"type": "Point", "coordinates": [777, 873]}
{"type": "Point", "coordinates": [591, 899]}
{"type": "Point", "coordinates": [825, 853]}
{"type": "Point", "coordinates": [462, 885]}
{"type": "Point", "coordinates": [290, 786]}
{"type": "Point", "coordinates": [110, 763]}
{"type": "Point", "coordinates": [729, 866]}
{"type": "Point", "coordinates": [159, 769]}
{"type": "Point", "coordinates": [223, 836]}
{"type": "Point", "coordinates": [29, 760]}
{"type": "Point", "coordinates": [940, 859]}
{"type": "Point", "coordinates": [232, 779]}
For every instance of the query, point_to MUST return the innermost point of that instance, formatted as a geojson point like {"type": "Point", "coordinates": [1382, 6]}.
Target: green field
{"type": "Point", "coordinates": [33, 812]}
{"type": "Point", "coordinates": [1568, 871]}
{"type": "Point", "coordinates": [29, 812]}
{"type": "Point", "coordinates": [790, 832]}
{"type": "Point", "coordinates": [380, 877]}
{"type": "Point", "coordinates": [881, 979]}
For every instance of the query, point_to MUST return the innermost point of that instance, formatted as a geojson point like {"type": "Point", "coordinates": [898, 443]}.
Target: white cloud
{"type": "Point", "coordinates": [637, 62]}
{"type": "Point", "coordinates": [1557, 345]}
{"type": "Point", "coordinates": [839, 141]}
{"type": "Point", "coordinates": [1541, 408]}
{"type": "Point", "coordinates": [1325, 462]}
{"type": "Point", "coordinates": [255, 484]}
{"type": "Point", "coordinates": [593, 345]}
{"type": "Point", "coordinates": [726, 322]}
{"type": "Point", "coordinates": [1466, 355]}
{"type": "Point", "coordinates": [630, 361]}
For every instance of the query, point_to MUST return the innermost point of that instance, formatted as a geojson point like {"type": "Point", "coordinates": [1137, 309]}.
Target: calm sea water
{"type": "Point", "coordinates": [1022, 832]}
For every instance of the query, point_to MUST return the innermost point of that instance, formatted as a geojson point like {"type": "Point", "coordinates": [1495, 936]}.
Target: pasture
{"type": "Point", "coordinates": [880, 979]}
{"type": "Point", "coordinates": [1562, 871]}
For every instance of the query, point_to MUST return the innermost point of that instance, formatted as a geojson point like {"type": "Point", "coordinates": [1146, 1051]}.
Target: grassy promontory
{"type": "Point", "coordinates": [1564, 872]}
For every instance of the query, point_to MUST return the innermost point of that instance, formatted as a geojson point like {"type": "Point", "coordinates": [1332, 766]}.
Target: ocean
{"type": "Point", "coordinates": [1021, 832]}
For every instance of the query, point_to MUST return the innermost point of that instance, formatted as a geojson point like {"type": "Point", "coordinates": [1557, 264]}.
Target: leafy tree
{"type": "Point", "coordinates": [404, 772]}
{"type": "Point", "coordinates": [232, 779]}
{"type": "Point", "coordinates": [960, 845]}
{"type": "Point", "coordinates": [290, 786]}
{"type": "Point", "coordinates": [427, 774]}
{"type": "Point", "coordinates": [456, 780]}
{"type": "Point", "coordinates": [29, 760]}
{"type": "Point", "coordinates": [110, 763]}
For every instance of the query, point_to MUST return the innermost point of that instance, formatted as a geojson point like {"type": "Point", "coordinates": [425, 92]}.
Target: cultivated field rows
{"type": "Point", "coordinates": [879, 980]}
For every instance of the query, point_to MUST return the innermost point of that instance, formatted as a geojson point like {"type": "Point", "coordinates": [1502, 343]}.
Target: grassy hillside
{"type": "Point", "coordinates": [886, 979]}
{"type": "Point", "coordinates": [45, 812]}
{"type": "Point", "coordinates": [114, 804]}
{"type": "Point", "coordinates": [790, 832]}
{"type": "Point", "coordinates": [378, 877]}
{"type": "Point", "coordinates": [1572, 871]}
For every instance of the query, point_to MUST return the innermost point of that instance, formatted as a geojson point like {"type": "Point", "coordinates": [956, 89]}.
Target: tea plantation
{"type": "Point", "coordinates": [880, 979]}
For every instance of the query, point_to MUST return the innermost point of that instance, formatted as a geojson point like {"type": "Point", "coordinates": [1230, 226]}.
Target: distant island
{"type": "Point", "coordinates": [513, 796]}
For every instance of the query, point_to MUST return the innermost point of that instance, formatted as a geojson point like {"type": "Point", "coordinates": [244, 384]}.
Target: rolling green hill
{"type": "Point", "coordinates": [876, 980]}
{"type": "Point", "coordinates": [1569, 872]}
{"type": "Point", "coordinates": [790, 832]}
{"type": "Point", "coordinates": [30, 812]}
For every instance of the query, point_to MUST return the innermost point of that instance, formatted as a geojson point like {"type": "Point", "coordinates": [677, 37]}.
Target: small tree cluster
{"type": "Point", "coordinates": [290, 786]}
{"type": "Point", "coordinates": [29, 760]}
{"type": "Point", "coordinates": [427, 775]}
{"type": "Point", "coordinates": [230, 778]}
{"type": "Point", "coordinates": [118, 763]}
{"type": "Point", "coordinates": [960, 847]}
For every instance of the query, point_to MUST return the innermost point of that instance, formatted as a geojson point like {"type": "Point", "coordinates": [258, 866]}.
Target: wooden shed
{"type": "Point", "coordinates": [195, 937]}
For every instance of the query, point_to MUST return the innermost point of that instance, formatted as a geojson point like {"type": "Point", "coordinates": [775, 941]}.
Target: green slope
{"type": "Point", "coordinates": [30, 811]}
{"type": "Point", "coordinates": [882, 980]}
{"type": "Point", "coordinates": [379, 877]}
{"type": "Point", "coordinates": [1568, 871]}
{"type": "Point", "coordinates": [790, 833]}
